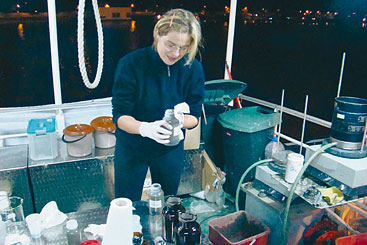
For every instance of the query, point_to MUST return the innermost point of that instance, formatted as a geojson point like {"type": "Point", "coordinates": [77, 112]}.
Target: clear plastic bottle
{"type": "Point", "coordinates": [273, 147]}
{"type": "Point", "coordinates": [169, 116]}
{"type": "Point", "coordinates": [72, 232]}
{"type": "Point", "coordinates": [189, 232]}
{"type": "Point", "coordinates": [156, 199]}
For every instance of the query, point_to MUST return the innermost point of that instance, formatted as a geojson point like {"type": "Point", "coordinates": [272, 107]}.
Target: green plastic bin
{"type": "Point", "coordinates": [218, 93]}
{"type": "Point", "coordinates": [244, 137]}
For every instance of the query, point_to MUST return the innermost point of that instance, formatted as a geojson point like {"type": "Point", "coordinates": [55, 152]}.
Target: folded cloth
{"type": "Point", "coordinates": [331, 195]}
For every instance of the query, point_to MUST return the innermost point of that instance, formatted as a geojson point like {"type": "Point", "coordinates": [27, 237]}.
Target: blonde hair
{"type": "Point", "coordinates": [182, 21]}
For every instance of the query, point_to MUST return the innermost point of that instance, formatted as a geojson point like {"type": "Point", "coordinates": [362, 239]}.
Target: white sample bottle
{"type": "Point", "coordinates": [156, 199]}
{"type": "Point", "coordinates": [72, 232]}
{"type": "Point", "coordinates": [294, 166]}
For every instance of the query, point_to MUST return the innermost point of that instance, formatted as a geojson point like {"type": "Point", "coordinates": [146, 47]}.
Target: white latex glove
{"type": "Point", "coordinates": [181, 135]}
{"type": "Point", "coordinates": [158, 131]}
{"type": "Point", "coordinates": [179, 111]}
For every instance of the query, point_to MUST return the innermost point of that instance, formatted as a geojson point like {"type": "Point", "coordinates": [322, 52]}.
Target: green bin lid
{"type": "Point", "coordinates": [222, 90]}
{"type": "Point", "coordinates": [249, 119]}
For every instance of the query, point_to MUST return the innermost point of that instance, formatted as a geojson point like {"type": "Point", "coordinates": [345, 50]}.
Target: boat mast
{"type": "Point", "coordinates": [55, 64]}
{"type": "Point", "coordinates": [230, 36]}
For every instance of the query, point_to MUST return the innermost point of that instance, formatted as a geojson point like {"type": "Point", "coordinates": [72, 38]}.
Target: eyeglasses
{"type": "Point", "coordinates": [173, 47]}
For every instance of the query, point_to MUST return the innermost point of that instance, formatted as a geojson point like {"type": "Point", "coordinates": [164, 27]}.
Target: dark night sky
{"type": "Point", "coordinates": [254, 5]}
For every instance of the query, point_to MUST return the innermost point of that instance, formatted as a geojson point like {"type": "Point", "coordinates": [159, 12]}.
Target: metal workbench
{"type": "Point", "coordinates": [99, 216]}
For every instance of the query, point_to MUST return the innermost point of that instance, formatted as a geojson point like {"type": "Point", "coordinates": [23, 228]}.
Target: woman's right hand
{"type": "Point", "coordinates": [160, 131]}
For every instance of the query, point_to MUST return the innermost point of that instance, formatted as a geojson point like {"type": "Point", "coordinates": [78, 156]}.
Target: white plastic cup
{"type": "Point", "coordinates": [294, 166]}
{"type": "Point", "coordinates": [34, 223]}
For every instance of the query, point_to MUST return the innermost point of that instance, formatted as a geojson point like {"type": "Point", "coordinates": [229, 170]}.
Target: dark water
{"type": "Point", "coordinates": [302, 59]}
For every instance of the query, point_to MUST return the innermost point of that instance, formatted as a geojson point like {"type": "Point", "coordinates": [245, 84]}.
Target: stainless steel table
{"type": "Point", "coordinates": [99, 216]}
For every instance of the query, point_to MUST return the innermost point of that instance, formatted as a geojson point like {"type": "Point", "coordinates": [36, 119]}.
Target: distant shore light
{"type": "Point", "coordinates": [107, 5]}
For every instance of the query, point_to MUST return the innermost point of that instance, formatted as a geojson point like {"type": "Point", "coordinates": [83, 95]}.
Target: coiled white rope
{"type": "Point", "coordinates": [80, 34]}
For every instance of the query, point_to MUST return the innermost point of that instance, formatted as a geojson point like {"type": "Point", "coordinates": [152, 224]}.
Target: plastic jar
{"type": "Point", "coordinates": [171, 213]}
{"type": "Point", "coordinates": [294, 166]}
{"type": "Point", "coordinates": [169, 116]}
{"type": "Point", "coordinates": [189, 232]}
{"type": "Point", "coordinates": [79, 139]}
{"type": "Point", "coordinates": [104, 134]}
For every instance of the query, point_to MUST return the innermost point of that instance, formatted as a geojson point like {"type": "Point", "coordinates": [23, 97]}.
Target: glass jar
{"type": "Point", "coordinates": [171, 213]}
{"type": "Point", "coordinates": [156, 199]}
{"type": "Point", "coordinates": [189, 232]}
{"type": "Point", "coordinates": [169, 116]}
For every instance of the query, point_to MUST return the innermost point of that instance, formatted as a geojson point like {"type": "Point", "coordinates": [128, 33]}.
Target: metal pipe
{"type": "Point", "coordinates": [230, 36]}
{"type": "Point", "coordinates": [281, 113]}
{"type": "Point", "coordinates": [357, 209]}
{"type": "Point", "coordinates": [304, 124]}
{"type": "Point", "coordinates": [341, 75]}
{"type": "Point", "coordinates": [361, 205]}
{"type": "Point", "coordinates": [72, 105]}
{"type": "Point", "coordinates": [295, 113]}
{"type": "Point", "coordinates": [339, 220]}
{"type": "Point", "coordinates": [293, 140]}
{"type": "Point", "coordinates": [60, 123]}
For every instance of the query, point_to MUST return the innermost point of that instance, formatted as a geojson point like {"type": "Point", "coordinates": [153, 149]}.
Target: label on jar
{"type": "Point", "coordinates": [155, 204]}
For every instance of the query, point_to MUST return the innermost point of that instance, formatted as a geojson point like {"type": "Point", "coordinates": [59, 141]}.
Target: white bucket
{"type": "Point", "coordinates": [79, 139]}
{"type": "Point", "coordinates": [104, 134]}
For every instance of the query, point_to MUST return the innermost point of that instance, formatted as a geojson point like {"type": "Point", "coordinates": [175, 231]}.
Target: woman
{"type": "Point", "coordinates": [147, 82]}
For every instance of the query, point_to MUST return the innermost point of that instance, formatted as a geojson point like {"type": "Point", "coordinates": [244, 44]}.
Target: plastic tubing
{"type": "Point", "coordinates": [295, 184]}
{"type": "Point", "coordinates": [243, 177]}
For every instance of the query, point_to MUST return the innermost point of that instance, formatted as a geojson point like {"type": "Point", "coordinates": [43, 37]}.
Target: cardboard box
{"type": "Point", "coordinates": [210, 172]}
{"type": "Point", "coordinates": [192, 137]}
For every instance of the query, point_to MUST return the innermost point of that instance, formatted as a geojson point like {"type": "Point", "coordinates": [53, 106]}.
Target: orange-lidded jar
{"type": "Point", "coordinates": [104, 134]}
{"type": "Point", "coordinates": [79, 139]}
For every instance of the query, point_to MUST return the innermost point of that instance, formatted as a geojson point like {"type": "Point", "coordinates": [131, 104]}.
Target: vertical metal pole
{"type": "Point", "coordinates": [230, 37]}
{"type": "Point", "coordinates": [55, 63]}
{"type": "Point", "coordinates": [304, 124]}
{"type": "Point", "coordinates": [281, 114]}
{"type": "Point", "coordinates": [341, 75]}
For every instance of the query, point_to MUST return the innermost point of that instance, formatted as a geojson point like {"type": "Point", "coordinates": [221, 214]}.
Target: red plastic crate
{"type": "Point", "coordinates": [238, 228]}
{"type": "Point", "coordinates": [358, 239]}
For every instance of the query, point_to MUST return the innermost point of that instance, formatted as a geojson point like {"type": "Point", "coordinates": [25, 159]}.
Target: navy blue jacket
{"type": "Point", "coordinates": [145, 87]}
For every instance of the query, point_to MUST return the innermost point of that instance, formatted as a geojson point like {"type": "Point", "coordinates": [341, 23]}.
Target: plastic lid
{"type": "Point", "coordinates": [155, 188]}
{"type": "Point", "coordinates": [295, 157]}
{"type": "Point", "coordinates": [187, 216]}
{"type": "Point", "coordinates": [223, 90]}
{"type": "Point", "coordinates": [249, 119]}
{"type": "Point", "coordinates": [173, 200]}
{"type": "Point", "coordinates": [72, 224]}
{"type": "Point", "coordinates": [273, 138]}
{"type": "Point", "coordinates": [45, 125]}
{"type": "Point", "coordinates": [78, 129]}
{"type": "Point", "coordinates": [103, 124]}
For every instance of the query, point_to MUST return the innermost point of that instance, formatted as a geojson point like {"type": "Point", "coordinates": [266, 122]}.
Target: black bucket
{"type": "Point", "coordinates": [348, 123]}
